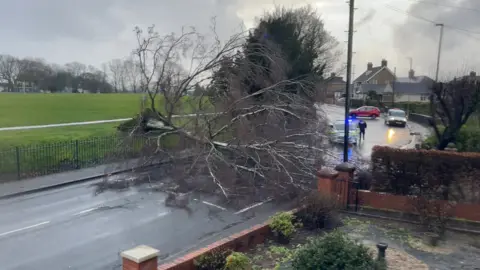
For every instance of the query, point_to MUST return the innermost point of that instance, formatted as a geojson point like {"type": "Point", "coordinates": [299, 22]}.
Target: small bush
{"type": "Point", "coordinates": [282, 223]}
{"type": "Point", "coordinates": [237, 261]}
{"type": "Point", "coordinates": [317, 210]}
{"type": "Point", "coordinates": [214, 260]}
{"type": "Point", "coordinates": [331, 252]}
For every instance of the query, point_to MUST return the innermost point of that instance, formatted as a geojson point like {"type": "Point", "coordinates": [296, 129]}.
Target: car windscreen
{"type": "Point", "coordinates": [396, 113]}
{"type": "Point", "coordinates": [340, 126]}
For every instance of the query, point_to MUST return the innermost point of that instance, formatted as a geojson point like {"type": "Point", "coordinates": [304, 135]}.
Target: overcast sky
{"type": "Point", "coordinates": [95, 31]}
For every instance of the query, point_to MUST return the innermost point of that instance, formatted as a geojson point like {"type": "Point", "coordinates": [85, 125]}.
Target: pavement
{"type": "Point", "coordinates": [75, 227]}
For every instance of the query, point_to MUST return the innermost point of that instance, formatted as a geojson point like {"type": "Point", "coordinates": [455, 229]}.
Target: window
{"type": "Point", "coordinates": [396, 113]}
{"type": "Point", "coordinates": [423, 97]}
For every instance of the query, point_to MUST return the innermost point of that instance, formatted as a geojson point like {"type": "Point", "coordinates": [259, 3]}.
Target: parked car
{"type": "Point", "coordinates": [396, 117]}
{"type": "Point", "coordinates": [337, 131]}
{"type": "Point", "coordinates": [365, 111]}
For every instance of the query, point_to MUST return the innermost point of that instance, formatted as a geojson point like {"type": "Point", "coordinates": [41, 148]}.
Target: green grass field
{"type": "Point", "coordinates": [38, 109]}
{"type": "Point", "coordinates": [28, 153]}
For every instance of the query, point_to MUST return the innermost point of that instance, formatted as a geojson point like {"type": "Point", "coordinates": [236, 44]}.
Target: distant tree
{"type": "Point", "coordinates": [198, 90]}
{"type": "Point", "coordinates": [10, 69]}
{"type": "Point", "coordinates": [75, 69]}
{"type": "Point", "coordinates": [116, 68]}
{"type": "Point", "coordinates": [452, 103]}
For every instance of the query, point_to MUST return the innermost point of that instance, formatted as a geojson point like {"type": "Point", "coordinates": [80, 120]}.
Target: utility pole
{"type": "Point", "coordinates": [439, 49]}
{"type": "Point", "coordinates": [349, 79]}
{"type": "Point", "coordinates": [393, 86]}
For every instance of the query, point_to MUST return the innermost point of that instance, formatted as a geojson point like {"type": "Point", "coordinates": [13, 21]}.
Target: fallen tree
{"type": "Point", "coordinates": [252, 145]}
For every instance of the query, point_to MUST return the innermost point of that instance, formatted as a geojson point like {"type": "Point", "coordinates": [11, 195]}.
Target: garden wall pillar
{"type": "Point", "coordinates": [325, 180]}
{"type": "Point", "coordinates": [343, 183]}
{"type": "Point", "coordinates": [140, 258]}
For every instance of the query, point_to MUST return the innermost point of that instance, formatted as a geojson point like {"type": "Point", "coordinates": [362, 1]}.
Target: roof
{"type": "Point", "coordinates": [365, 76]}
{"type": "Point", "coordinates": [415, 79]}
{"type": "Point", "coordinates": [412, 88]}
{"type": "Point", "coordinates": [367, 87]}
{"type": "Point", "coordinates": [335, 80]}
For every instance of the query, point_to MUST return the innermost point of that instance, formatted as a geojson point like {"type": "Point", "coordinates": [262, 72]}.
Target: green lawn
{"type": "Point", "coordinates": [28, 153]}
{"type": "Point", "coordinates": [9, 139]}
{"type": "Point", "coordinates": [38, 109]}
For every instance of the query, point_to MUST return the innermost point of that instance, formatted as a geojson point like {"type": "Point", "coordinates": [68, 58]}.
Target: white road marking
{"type": "Point", "coordinates": [24, 228]}
{"type": "Point", "coordinates": [214, 205]}
{"type": "Point", "coordinates": [85, 211]}
{"type": "Point", "coordinates": [252, 206]}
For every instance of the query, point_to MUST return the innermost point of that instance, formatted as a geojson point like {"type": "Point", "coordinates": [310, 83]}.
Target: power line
{"type": "Point", "coordinates": [425, 2]}
{"type": "Point", "coordinates": [464, 31]}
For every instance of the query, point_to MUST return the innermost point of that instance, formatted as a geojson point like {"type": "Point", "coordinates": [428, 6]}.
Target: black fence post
{"type": "Point", "coordinates": [77, 161]}
{"type": "Point", "coordinates": [17, 151]}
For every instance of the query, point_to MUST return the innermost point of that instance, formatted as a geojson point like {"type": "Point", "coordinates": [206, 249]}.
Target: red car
{"type": "Point", "coordinates": [365, 111]}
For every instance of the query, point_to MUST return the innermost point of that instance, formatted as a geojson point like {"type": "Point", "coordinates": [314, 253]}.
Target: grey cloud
{"type": "Point", "coordinates": [418, 34]}
{"type": "Point", "coordinates": [44, 20]}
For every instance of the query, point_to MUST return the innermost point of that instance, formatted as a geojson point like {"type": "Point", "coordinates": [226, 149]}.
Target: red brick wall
{"type": "Point", "coordinates": [404, 204]}
{"type": "Point", "coordinates": [239, 242]}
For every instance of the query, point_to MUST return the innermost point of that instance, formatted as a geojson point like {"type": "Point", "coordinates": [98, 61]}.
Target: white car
{"type": "Point", "coordinates": [337, 131]}
{"type": "Point", "coordinates": [396, 117]}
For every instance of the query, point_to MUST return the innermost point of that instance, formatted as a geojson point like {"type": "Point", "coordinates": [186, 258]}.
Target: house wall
{"type": "Point", "coordinates": [411, 98]}
{"type": "Point", "coordinates": [383, 77]}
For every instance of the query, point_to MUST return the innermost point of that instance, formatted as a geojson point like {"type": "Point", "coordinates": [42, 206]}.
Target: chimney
{"type": "Point", "coordinates": [473, 74]}
{"type": "Point", "coordinates": [369, 66]}
{"type": "Point", "coordinates": [333, 75]}
{"type": "Point", "coordinates": [384, 63]}
{"type": "Point", "coordinates": [411, 74]}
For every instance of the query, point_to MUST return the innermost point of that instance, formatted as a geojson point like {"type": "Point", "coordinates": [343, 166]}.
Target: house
{"type": "Point", "coordinates": [472, 77]}
{"type": "Point", "coordinates": [372, 79]}
{"type": "Point", "coordinates": [410, 89]}
{"type": "Point", "coordinates": [334, 87]}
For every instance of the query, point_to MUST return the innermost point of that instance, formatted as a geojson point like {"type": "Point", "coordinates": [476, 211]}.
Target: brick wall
{"type": "Point", "coordinates": [336, 183]}
{"type": "Point", "coordinates": [385, 201]}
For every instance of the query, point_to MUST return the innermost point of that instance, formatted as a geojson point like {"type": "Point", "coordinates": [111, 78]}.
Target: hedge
{"type": "Point", "coordinates": [396, 171]}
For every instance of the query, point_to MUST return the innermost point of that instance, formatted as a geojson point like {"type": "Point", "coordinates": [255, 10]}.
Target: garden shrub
{"type": "Point", "coordinates": [396, 171]}
{"type": "Point", "coordinates": [283, 223]}
{"type": "Point", "coordinates": [333, 251]}
{"type": "Point", "coordinates": [317, 210]}
{"type": "Point", "coordinates": [214, 260]}
{"type": "Point", "coordinates": [468, 140]}
{"type": "Point", "coordinates": [237, 261]}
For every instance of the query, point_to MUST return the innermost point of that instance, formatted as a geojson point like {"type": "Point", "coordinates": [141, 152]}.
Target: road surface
{"type": "Point", "coordinates": [377, 133]}
{"type": "Point", "coordinates": [72, 228]}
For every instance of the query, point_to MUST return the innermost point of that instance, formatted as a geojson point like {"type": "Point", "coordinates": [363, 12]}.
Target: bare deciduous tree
{"type": "Point", "coordinates": [132, 73]}
{"type": "Point", "coordinates": [452, 103]}
{"type": "Point", "coordinates": [250, 145]}
{"type": "Point", "coordinates": [10, 68]}
{"type": "Point", "coordinates": [116, 70]}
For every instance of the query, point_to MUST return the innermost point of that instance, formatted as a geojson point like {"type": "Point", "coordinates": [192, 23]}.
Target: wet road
{"type": "Point", "coordinates": [72, 228]}
{"type": "Point", "coordinates": [377, 133]}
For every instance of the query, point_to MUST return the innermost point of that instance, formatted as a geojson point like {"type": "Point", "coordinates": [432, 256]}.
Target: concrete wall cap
{"type": "Point", "coordinates": [140, 254]}
{"type": "Point", "coordinates": [327, 172]}
{"type": "Point", "coordinates": [345, 167]}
